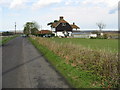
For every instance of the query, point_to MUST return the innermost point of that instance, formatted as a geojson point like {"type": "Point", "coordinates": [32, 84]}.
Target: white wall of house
{"type": "Point", "coordinates": [61, 33]}
{"type": "Point", "coordinates": [74, 29]}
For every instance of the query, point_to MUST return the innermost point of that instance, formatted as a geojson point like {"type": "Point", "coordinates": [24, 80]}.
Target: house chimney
{"type": "Point", "coordinates": [73, 23]}
{"type": "Point", "coordinates": [61, 17]}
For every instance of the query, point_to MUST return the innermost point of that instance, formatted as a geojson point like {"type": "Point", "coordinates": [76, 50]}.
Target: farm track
{"type": "Point", "coordinates": [24, 67]}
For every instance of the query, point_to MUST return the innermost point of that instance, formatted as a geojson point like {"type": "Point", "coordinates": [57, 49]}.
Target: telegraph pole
{"type": "Point", "coordinates": [15, 27]}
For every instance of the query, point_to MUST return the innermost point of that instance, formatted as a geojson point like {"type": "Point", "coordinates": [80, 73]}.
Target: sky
{"type": "Point", "coordinates": [85, 13]}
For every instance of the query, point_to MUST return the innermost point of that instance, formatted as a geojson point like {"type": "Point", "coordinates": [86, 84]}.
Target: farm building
{"type": "Point", "coordinates": [80, 35]}
{"type": "Point", "coordinates": [45, 33]}
{"type": "Point", "coordinates": [62, 28]}
{"type": "Point", "coordinates": [83, 35]}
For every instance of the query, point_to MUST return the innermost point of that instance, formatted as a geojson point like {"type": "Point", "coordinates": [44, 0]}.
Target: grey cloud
{"type": "Point", "coordinates": [113, 11]}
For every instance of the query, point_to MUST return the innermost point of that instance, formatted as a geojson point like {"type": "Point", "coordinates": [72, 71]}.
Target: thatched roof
{"type": "Point", "coordinates": [74, 26]}
{"type": "Point", "coordinates": [61, 20]}
{"type": "Point", "coordinates": [44, 32]}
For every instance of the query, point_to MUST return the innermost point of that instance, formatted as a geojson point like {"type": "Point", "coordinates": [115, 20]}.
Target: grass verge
{"type": "Point", "coordinates": [76, 77]}
{"type": "Point", "coordinates": [6, 39]}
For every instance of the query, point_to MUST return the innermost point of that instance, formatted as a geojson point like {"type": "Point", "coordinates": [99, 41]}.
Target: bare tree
{"type": "Point", "coordinates": [101, 25]}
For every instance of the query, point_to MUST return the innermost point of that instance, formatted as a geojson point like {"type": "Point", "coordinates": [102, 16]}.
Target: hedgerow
{"type": "Point", "coordinates": [99, 62]}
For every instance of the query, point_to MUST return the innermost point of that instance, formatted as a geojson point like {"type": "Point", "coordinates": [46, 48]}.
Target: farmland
{"type": "Point", "coordinates": [96, 44]}
{"type": "Point", "coordinates": [83, 62]}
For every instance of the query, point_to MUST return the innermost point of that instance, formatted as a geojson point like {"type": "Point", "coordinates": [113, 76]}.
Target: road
{"type": "Point", "coordinates": [24, 67]}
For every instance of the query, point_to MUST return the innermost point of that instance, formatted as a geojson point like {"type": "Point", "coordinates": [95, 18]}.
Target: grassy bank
{"type": "Point", "coordinates": [6, 39]}
{"type": "Point", "coordinates": [82, 67]}
{"type": "Point", "coordinates": [75, 76]}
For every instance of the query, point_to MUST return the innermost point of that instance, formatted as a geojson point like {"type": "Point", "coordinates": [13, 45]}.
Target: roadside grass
{"type": "Point", "coordinates": [95, 44]}
{"type": "Point", "coordinates": [100, 63]}
{"type": "Point", "coordinates": [76, 77]}
{"type": "Point", "coordinates": [6, 39]}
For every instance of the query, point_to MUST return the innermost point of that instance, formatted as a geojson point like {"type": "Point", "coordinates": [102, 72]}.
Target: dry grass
{"type": "Point", "coordinates": [102, 63]}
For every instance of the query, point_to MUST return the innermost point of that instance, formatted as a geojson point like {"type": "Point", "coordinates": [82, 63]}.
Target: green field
{"type": "Point", "coordinates": [96, 44]}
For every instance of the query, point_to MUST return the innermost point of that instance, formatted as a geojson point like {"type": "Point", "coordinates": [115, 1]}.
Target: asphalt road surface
{"type": "Point", "coordinates": [24, 67]}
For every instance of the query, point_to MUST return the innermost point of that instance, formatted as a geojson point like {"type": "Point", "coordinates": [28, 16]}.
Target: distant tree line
{"type": "Point", "coordinates": [7, 33]}
{"type": "Point", "coordinates": [32, 28]}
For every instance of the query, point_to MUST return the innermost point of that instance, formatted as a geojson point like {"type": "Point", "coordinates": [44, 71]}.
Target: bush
{"type": "Point", "coordinates": [105, 36]}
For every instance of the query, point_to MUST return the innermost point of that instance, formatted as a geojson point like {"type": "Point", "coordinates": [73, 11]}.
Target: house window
{"type": "Point", "coordinates": [63, 24]}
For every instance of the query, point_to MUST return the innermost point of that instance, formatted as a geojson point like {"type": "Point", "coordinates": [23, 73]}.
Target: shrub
{"type": "Point", "coordinates": [105, 36]}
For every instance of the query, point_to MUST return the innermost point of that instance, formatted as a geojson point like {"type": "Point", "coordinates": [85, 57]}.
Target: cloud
{"type": "Point", "coordinates": [111, 4]}
{"type": "Point", "coordinates": [68, 2]}
{"type": "Point", "coordinates": [4, 1]}
{"type": "Point", "coordinates": [44, 3]}
{"type": "Point", "coordinates": [77, 11]}
{"type": "Point", "coordinates": [112, 11]}
{"type": "Point", "coordinates": [36, 4]}
{"type": "Point", "coordinates": [108, 3]}
{"type": "Point", "coordinates": [17, 3]}
{"type": "Point", "coordinates": [87, 17]}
